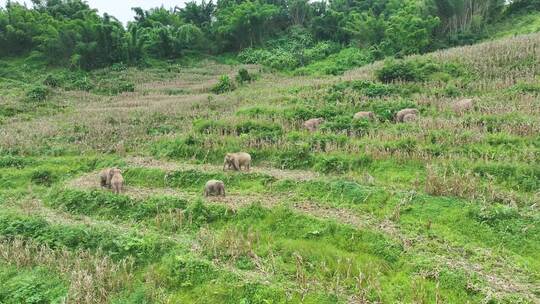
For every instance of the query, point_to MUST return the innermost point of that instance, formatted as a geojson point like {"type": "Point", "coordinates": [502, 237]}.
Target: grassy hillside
{"type": "Point", "coordinates": [517, 24]}
{"type": "Point", "coordinates": [440, 210]}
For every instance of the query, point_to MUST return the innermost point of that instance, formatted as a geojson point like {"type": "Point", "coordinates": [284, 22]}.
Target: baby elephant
{"type": "Point", "coordinates": [214, 188]}
{"type": "Point", "coordinates": [364, 115]}
{"type": "Point", "coordinates": [105, 177]}
{"type": "Point", "coordinates": [401, 114]}
{"type": "Point", "coordinates": [409, 117]}
{"type": "Point", "coordinates": [117, 181]}
{"type": "Point", "coordinates": [313, 124]}
{"type": "Point", "coordinates": [237, 161]}
{"type": "Point", "coordinates": [462, 106]}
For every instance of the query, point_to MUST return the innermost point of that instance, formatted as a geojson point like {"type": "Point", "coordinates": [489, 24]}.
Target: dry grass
{"type": "Point", "coordinates": [448, 182]}
{"type": "Point", "coordinates": [93, 278]}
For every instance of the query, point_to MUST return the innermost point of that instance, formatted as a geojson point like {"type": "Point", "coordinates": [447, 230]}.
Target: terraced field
{"type": "Point", "coordinates": [441, 210]}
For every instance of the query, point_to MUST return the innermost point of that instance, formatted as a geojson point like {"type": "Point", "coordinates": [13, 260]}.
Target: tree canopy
{"type": "Point", "coordinates": [71, 32]}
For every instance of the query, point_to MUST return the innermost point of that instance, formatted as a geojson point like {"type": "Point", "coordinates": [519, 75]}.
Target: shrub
{"type": "Point", "coordinates": [298, 157]}
{"type": "Point", "coordinates": [278, 58]}
{"type": "Point", "coordinates": [340, 123]}
{"type": "Point", "coordinates": [386, 111]}
{"type": "Point", "coordinates": [340, 163]}
{"type": "Point", "coordinates": [493, 215]}
{"type": "Point", "coordinates": [205, 126]}
{"type": "Point", "coordinates": [109, 205]}
{"type": "Point", "coordinates": [118, 67]}
{"type": "Point", "coordinates": [526, 88]}
{"type": "Point", "coordinates": [365, 87]}
{"type": "Point", "coordinates": [300, 113]}
{"type": "Point", "coordinates": [13, 162]}
{"type": "Point", "coordinates": [43, 177]}
{"type": "Point", "coordinates": [397, 70]}
{"type": "Point", "coordinates": [37, 93]}
{"type": "Point", "coordinates": [37, 285]}
{"type": "Point", "coordinates": [79, 81]}
{"type": "Point", "coordinates": [224, 85]}
{"type": "Point", "coordinates": [406, 145]}
{"type": "Point", "coordinates": [337, 64]}
{"type": "Point", "coordinates": [521, 178]}
{"type": "Point", "coordinates": [260, 129]}
{"type": "Point", "coordinates": [189, 148]}
{"type": "Point", "coordinates": [117, 244]}
{"type": "Point", "coordinates": [243, 76]}
{"type": "Point", "coordinates": [372, 89]}
{"type": "Point", "coordinates": [52, 80]}
{"type": "Point", "coordinates": [189, 271]}
{"type": "Point", "coordinates": [418, 70]}
{"type": "Point", "coordinates": [201, 214]}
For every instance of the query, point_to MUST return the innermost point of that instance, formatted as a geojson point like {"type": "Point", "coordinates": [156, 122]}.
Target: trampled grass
{"type": "Point", "coordinates": [440, 210]}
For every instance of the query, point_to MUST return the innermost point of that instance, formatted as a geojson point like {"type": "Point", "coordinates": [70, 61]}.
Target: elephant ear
{"type": "Point", "coordinates": [236, 164]}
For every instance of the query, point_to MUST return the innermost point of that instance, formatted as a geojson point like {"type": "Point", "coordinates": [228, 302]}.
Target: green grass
{"type": "Point", "coordinates": [37, 285]}
{"type": "Point", "coordinates": [526, 23]}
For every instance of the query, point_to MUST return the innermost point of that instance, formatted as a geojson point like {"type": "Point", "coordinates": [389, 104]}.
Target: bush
{"type": "Point", "coordinates": [521, 178]}
{"type": "Point", "coordinates": [526, 88]}
{"type": "Point", "coordinates": [492, 215]}
{"type": "Point", "coordinates": [372, 89]}
{"type": "Point", "coordinates": [117, 244]}
{"type": "Point", "coordinates": [365, 87]}
{"type": "Point", "coordinates": [340, 163]}
{"type": "Point", "coordinates": [189, 271]}
{"type": "Point", "coordinates": [243, 76]}
{"type": "Point", "coordinates": [224, 85]}
{"type": "Point", "coordinates": [297, 48]}
{"type": "Point", "coordinates": [337, 64]}
{"type": "Point", "coordinates": [52, 80]}
{"type": "Point", "coordinates": [278, 58]}
{"type": "Point", "coordinates": [38, 93]}
{"type": "Point", "coordinates": [118, 67]}
{"type": "Point", "coordinates": [418, 70]}
{"type": "Point", "coordinates": [202, 214]}
{"type": "Point", "coordinates": [205, 126]}
{"type": "Point", "coordinates": [78, 81]}
{"type": "Point", "coordinates": [397, 71]}
{"type": "Point", "coordinates": [13, 162]}
{"type": "Point", "coordinates": [43, 177]}
{"type": "Point", "coordinates": [295, 158]}
{"type": "Point", "coordinates": [108, 205]}
{"type": "Point", "coordinates": [340, 123]}
{"type": "Point", "coordinates": [386, 111]}
{"type": "Point", "coordinates": [260, 129]}
{"type": "Point", "coordinates": [36, 285]}
{"type": "Point", "coordinates": [406, 145]}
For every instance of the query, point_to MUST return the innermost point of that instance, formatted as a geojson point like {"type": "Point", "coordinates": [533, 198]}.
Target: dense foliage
{"type": "Point", "coordinates": [282, 34]}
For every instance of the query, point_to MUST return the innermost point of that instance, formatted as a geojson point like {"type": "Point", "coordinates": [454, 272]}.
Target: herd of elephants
{"type": "Point", "coordinates": [112, 178]}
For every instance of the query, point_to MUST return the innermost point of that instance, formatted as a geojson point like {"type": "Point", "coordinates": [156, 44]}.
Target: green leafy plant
{"type": "Point", "coordinates": [224, 85]}
{"type": "Point", "coordinates": [38, 93]}
{"type": "Point", "coordinates": [243, 76]}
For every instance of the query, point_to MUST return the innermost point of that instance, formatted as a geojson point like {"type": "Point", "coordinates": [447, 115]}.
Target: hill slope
{"type": "Point", "coordinates": [441, 209]}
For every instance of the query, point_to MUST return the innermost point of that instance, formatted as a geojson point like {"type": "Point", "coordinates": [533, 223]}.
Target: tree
{"type": "Point", "coordinates": [198, 14]}
{"type": "Point", "coordinates": [246, 24]}
{"type": "Point", "coordinates": [409, 31]}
